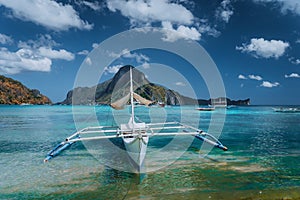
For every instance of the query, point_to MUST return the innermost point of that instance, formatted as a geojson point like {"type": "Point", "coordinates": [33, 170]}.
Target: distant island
{"type": "Point", "coordinates": [101, 94]}
{"type": "Point", "coordinates": [13, 92]}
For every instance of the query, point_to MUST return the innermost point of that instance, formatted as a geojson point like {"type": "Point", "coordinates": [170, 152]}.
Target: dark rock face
{"type": "Point", "coordinates": [14, 92]}
{"type": "Point", "coordinates": [245, 102]}
{"type": "Point", "coordinates": [115, 88]}
{"type": "Point", "coordinates": [105, 92]}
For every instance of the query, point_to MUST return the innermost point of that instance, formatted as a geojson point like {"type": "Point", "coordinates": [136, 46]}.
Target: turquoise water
{"type": "Point", "coordinates": [263, 161]}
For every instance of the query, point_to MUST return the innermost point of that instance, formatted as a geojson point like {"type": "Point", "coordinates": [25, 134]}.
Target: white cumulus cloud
{"type": "Point", "coordinates": [92, 5]}
{"type": "Point", "coordinates": [177, 20]}
{"type": "Point", "coordinates": [259, 47]}
{"type": "Point", "coordinates": [95, 45]}
{"type": "Point", "coordinates": [125, 53]}
{"type": "Point", "coordinates": [112, 69]}
{"type": "Point", "coordinates": [268, 84]}
{"type": "Point", "coordinates": [48, 13]}
{"type": "Point", "coordinates": [204, 27]}
{"type": "Point", "coordinates": [180, 84]}
{"type": "Point", "coordinates": [55, 54]}
{"type": "Point", "coordinates": [22, 60]}
{"type": "Point", "coordinates": [4, 39]}
{"type": "Point", "coordinates": [294, 61]}
{"type": "Point", "coordinates": [42, 40]}
{"type": "Point", "coordinates": [292, 6]}
{"type": "Point", "coordinates": [140, 11]}
{"type": "Point", "coordinates": [83, 52]}
{"type": "Point", "coordinates": [255, 77]}
{"type": "Point", "coordinates": [226, 14]}
{"type": "Point", "coordinates": [146, 65]}
{"type": "Point", "coordinates": [292, 75]}
{"type": "Point", "coordinates": [224, 11]}
{"type": "Point", "coordinates": [242, 77]}
{"type": "Point", "coordinates": [32, 56]}
{"type": "Point", "coordinates": [182, 32]}
{"type": "Point", "coordinates": [139, 58]}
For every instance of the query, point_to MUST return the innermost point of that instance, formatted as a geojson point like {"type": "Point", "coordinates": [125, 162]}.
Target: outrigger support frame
{"type": "Point", "coordinates": [152, 129]}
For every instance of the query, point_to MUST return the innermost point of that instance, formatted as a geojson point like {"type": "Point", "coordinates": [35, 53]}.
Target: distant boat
{"type": "Point", "coordinates": [25, 104]}
{"type": "Point", "coordinates": [287, 110]}
{"type": "Point", "coordinates": [205, 108]}
{"type": "Point", "coordinates": [135, 135]}
{"type": "Point", "coordinates": [161, 104]}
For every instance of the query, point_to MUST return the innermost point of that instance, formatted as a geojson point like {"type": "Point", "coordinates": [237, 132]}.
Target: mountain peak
{"type": "Point", "coordinates": [125, 68]}
{"type": "Point", "coordinates": [116, 87]}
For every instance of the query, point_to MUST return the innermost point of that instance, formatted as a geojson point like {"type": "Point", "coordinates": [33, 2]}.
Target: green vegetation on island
{"type": "Point", "coordinates": [106, 92]}
{"type": "Point", "coordinates": [13, 92]}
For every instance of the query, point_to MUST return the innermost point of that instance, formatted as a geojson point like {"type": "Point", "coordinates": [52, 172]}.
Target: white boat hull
{"type": "Point", "coordinates": [136, 148]}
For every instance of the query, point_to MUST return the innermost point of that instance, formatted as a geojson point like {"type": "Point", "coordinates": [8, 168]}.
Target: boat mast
{"type": "Point", "coordinates": [131, 98]}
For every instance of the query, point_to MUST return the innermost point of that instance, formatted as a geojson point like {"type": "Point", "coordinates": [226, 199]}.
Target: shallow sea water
{"type": "Point", "coordinates": [263, 160]}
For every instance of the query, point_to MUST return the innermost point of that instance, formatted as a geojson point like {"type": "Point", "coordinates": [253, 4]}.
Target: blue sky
{"type": "Point", "coordinates": [254, 43]}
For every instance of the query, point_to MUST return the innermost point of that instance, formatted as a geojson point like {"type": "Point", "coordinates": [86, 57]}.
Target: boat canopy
{"type": "Point", "coordinates": [120, 103]}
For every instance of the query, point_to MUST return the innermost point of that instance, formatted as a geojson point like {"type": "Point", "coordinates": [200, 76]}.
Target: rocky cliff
{"type": "Point", "coordinates": [14, 92]}
{"type": "Point", "coordinates": [111, 89]}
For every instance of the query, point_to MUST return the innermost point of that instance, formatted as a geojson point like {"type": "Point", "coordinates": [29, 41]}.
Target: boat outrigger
{"type": "Point", "coordinates": [134, 135]}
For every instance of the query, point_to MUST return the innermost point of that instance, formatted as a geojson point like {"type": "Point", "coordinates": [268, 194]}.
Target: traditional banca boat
{"type": "Point", "coordinates": [135, 135]}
